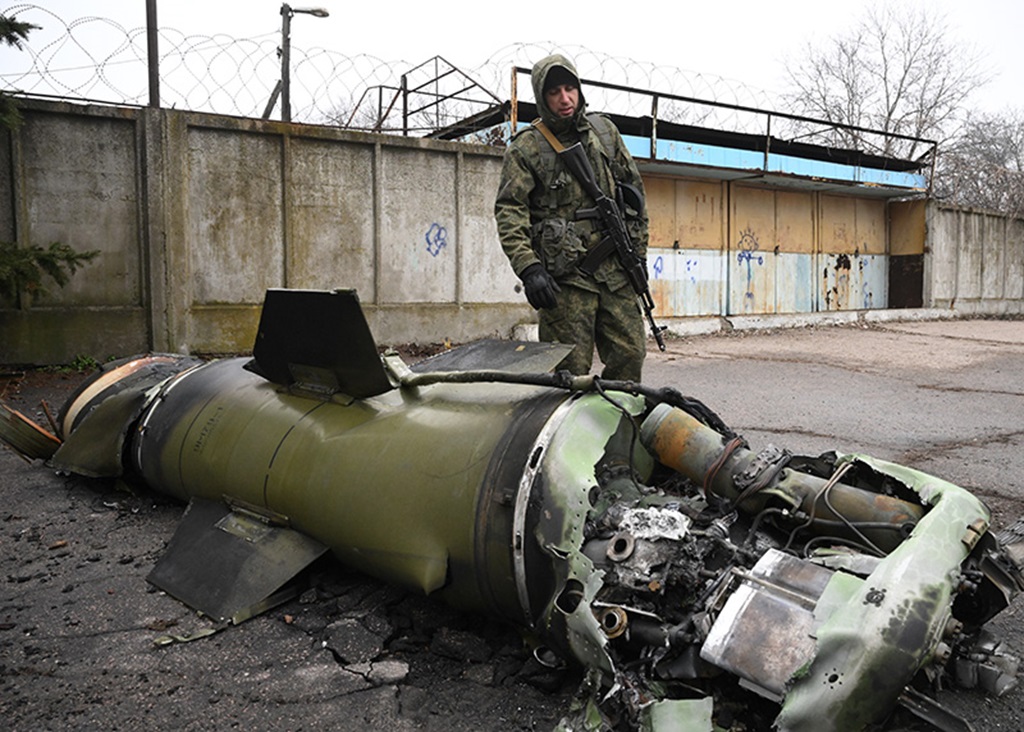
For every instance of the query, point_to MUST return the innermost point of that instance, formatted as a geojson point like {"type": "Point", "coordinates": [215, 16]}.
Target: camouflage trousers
{"type": "Point", "coordinates": [609, 320]}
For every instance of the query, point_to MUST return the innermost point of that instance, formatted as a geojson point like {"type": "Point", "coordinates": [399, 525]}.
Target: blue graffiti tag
{"type": "Point", "coordinates": [748, 246]}
{"type": "Point", "coordinates": [659, 266]}
{"type": "Point", "coordinates": [437, 239]}
{"type": "Point", "coordinates": [691, 269]}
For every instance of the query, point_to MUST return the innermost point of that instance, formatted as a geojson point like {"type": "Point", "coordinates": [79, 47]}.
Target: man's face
{"type": "Point", "coordinates": [563, 99]}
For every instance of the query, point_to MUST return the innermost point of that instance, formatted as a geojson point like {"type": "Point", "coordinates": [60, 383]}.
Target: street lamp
{"type": "Point", "coordinates": [287, 11]}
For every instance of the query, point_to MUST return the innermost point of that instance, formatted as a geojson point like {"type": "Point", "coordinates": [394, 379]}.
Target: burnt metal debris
{"type": "Point", "coordinates": [702, 584]}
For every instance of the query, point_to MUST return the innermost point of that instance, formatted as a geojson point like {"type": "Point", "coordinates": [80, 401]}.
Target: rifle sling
{"type": "Point", "coordinates": [591, 260]}
{"type": "Point", "coordinates": [548, 135]}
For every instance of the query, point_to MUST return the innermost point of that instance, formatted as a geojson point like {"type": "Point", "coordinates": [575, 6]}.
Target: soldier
{"type": "Point", "coordinates": [540, 232]}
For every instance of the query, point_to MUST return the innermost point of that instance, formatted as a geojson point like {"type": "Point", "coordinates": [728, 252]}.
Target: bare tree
{"type": "Point", "coordinates": [897, 71]}
{"type": "Point", "coordinates": [984, 166]}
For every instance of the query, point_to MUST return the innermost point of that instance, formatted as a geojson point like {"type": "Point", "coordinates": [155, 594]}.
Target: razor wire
{"type": "Point", "coordinates": [97, 59]}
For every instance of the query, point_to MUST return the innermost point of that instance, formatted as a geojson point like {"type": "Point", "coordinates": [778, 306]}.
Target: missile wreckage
{"type": "Point", "coordinates": [623, 528]}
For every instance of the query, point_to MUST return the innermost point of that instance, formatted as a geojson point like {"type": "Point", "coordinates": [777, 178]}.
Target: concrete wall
{"type": "Point", "coordinates": [195, 216]}
{"type": "Point", "coordinates": [975, 262]}
{"type": "Point", "coordinates": [74, 178]}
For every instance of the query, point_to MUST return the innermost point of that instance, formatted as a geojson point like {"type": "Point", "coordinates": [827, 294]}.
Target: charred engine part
{"type": "Point", "coordinates": [987, 665]}
{"type": "Point", "coordinates": [780, 592]}
{"type": "Point", "coordinates": [755, 482]}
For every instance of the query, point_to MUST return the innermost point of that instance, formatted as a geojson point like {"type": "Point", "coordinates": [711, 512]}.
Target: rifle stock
{"type": "Point", "coordinates": [616, 235]}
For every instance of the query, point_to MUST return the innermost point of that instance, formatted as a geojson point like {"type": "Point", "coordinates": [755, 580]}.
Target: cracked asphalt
{"type": "Point", "coordinates": [78, 622]}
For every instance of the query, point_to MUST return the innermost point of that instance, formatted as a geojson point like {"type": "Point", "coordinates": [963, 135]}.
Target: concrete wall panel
{"type": "Point", "coordinates": [418, 227]}
{"type": "Point", "coordinates": [1014, 260]}
{"type": "Point", "coordinates": [235, 222]}
{"type": "Point", "coordinates": [993, 271]}
{"type": "Point", "coordinates": [971, 253]}
{"type": "Point", "coordinates": [57, 335]}
{"type": "Point", "coordinates": [943, 260]}
{"type": "Point", "coordinates": [331, 227]}
{"type": "Point", "coordinates": [6, 189]}
{"type": "Point", "coordinates": [975, 261]}
{"type": "Point", "coordinates": [80, 189]}
{"type": "Point", "coordinates": [485, 274]}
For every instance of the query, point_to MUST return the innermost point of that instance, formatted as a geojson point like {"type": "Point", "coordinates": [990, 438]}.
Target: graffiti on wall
{"type": "Point", "coordinates": [691, 266]}
{"type": "Point", "coordinates": [437, 239]}
{"type": "Point", "coordinates": [749, 255]}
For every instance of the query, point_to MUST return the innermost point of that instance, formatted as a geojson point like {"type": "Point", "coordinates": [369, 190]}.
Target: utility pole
{"type": "Point", "coordinates": [287, 11]}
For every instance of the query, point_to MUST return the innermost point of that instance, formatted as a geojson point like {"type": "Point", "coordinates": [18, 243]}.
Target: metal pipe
{"type": "Point", "coordinates": [153, 53]}
{"type": "Point", "coordinates": [286, 27]}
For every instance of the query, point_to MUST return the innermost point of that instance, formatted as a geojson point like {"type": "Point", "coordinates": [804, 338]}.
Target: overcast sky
{"type": "Point", "coordinates": [743, 40]}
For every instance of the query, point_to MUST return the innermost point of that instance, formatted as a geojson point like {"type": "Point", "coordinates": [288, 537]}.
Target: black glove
{"type": "Point", "coordinates": [540, 287]}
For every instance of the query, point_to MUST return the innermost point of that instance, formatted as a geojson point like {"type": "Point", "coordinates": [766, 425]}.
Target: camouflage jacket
{"type": "Point", "coordinates": [538, 197]}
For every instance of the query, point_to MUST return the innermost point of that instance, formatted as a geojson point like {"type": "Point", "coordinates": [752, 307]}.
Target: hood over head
{"type": "Point", "coordinates": [561, 70]}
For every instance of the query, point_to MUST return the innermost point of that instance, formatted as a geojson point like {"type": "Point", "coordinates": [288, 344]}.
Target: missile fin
{"type": "Point", "coordinates": [230, 565]}
{"type": "Point", "coordinates": [318, 341]}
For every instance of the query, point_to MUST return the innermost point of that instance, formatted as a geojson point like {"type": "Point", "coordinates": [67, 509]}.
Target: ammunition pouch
{"type": "Point", "coordinates": [559, 244]}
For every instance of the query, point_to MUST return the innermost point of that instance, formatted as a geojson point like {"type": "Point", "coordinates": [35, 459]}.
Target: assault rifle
{"type": "Point", "coordinates": [616, 238]}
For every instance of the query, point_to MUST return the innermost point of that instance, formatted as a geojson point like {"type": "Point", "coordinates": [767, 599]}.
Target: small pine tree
{"type": "Point", "coordinates": [22, 268]}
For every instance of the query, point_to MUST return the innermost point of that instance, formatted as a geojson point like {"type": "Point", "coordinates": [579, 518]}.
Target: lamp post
{"type": "Point", "coordinates": [287, 11]}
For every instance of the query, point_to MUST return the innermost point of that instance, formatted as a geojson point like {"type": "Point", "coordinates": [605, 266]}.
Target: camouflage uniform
{"type": "Point", "coordinates": [536, 210]}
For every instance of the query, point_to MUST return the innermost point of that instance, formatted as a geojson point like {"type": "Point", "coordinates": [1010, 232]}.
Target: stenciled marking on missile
{"type": "Point", "coordinates": [437, 239]}
{"type": "Point", "coordinates": [208, 428]}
